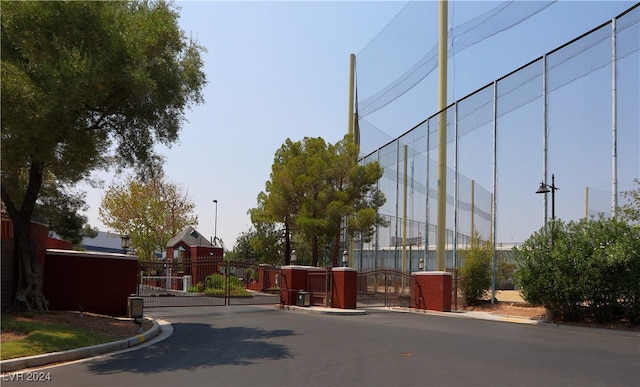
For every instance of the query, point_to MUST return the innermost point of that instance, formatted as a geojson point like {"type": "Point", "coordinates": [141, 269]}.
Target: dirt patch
{"type": "Point", "coordinates": [533, 312]}
{"type": "Point", "coordinates": [113, 328]}
{"type": "Point", "coordinates": [510, 309]}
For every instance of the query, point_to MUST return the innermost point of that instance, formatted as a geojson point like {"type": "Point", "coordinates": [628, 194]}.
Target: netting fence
{"type": "Point", "coordinates": [574, 112]}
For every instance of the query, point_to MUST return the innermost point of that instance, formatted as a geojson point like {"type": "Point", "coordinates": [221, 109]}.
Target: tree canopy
{"type": "Point", "coordinates": [150, 211]}
{"type": "Point", "coordinates": [86, 85]}
{"type": "Point", "coordinates": [630, 211]}
{"type": "Point", "coordinates": [313, 187]}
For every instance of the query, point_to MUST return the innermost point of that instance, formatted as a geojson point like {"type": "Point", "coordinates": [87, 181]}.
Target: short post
{"type": "Point", "coordinates": [135, 310]}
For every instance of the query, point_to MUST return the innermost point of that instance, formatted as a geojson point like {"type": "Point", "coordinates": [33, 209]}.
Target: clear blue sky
{"type": "Point", "coordinates": [279, 70]}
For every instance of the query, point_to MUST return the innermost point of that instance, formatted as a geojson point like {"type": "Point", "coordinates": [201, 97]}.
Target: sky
{"type": "Point", "coordinates": [279, 70]}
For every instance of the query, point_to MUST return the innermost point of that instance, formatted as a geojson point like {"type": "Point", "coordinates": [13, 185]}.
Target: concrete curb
{"type": "Point", "coordinates": [323, 310]}
{"type": "Point", "coordinates": [78, 353]}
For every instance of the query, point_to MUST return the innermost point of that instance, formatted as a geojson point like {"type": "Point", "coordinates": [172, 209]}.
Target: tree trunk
{"type": "Point", "coordinates": [287, 244]}
{"type": "Point", "coordinates": [29, 293]}
{"type": "Point", "coordinates": [336, 250]}
{"type": "Point", "coordinates": [29, 296]}
{"type": "Point", "coordinates": [314, 250]}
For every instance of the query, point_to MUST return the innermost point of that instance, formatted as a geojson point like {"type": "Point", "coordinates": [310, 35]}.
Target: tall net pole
{"type": "Point", "coordinates": [351, 123]}
{"type": "Point", "coordinates": [441, 234]}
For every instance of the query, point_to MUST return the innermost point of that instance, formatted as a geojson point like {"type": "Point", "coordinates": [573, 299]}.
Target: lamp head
{"type": "Point", "coordinates": [543, 188]}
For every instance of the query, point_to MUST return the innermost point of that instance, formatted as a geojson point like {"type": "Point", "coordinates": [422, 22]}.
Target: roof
{"type": "Point", "coordinates": [191, 237]}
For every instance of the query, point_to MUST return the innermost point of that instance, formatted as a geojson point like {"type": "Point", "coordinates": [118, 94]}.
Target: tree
{"type": "Point", "coordinates": [280, 202]}
{"type": "Point", "coordinates": [87, 85]}
{"type": "Point", "coordinates": [262, 243]}
{"type": "Point", "coordinates": [314, 186]}
{"type": "Point", "coordinates": [590, 270]}
{"type": "Point", "coordinates": [630, 211]}
{"type": "Point", "coordinates": [58, 207]}
{"type": "Point", "coordinates": [151, 211]}
{"type": "Point", "coordinates": [476, 269]}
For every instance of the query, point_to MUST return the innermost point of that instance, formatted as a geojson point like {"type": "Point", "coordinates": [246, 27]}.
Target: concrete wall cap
{"type": "Point", "coordinates": [301, 267]}
{"type": "Point", "coordinates": [90, 254]}
{"type": "Point", "coordinates": [344, 269]}
{"type": "Point", "coordinates": [431, 273]}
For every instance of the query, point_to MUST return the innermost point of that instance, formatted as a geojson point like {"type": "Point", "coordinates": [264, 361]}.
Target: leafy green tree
{"type": "Point", "coordinates": [85, 85]}
{"type": "Point", "coordinates": [588, 268]}
{"type": "Point", "coordinates": [630, 211]}
{"type": "Point", "coordinates": [476, 269]}
{"type": "Point", "coordinates": [151, 211]}
{"type": "Point", "coordinates": [313, 187]}
{"type": "Point", "coordinates": [280, 202]}
{"type": "Point", "coordinates": [59, 207]}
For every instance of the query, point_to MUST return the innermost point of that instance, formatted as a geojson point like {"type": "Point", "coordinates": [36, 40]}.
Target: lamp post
{"type": "Point", "coordinates": [215, 224]}
{"type": "Point", "coordinates": [421, 264]}
{"type": "Point", "coordinates": [124, 243]}
{"type": "Point", "coordinates": [293, 257]}
{"type": "Point", "coordinates": [545, 189]}
{"type": "Point", "coordinates": [345, 258]}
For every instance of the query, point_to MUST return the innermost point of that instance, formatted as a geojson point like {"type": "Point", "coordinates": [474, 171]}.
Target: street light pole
{"type": "Point", "coordinates": [124, 243]}
{"type": "Point", "coordinates": [545, 189]}
{"type": "Point", "coordinates": [215, 225]}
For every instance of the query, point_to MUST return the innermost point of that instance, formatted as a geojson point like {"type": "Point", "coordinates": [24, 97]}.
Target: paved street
{"type": "Point", "coordinates": [260, 346]}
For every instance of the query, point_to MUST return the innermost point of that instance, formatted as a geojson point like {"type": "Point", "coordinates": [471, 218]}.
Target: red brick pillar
{"type": "Point", "coordinates": [343, 287]}
{"type": "Point", "coordinates": [432, 290]}
{"type": "Point", "coordinates": [294, 278]}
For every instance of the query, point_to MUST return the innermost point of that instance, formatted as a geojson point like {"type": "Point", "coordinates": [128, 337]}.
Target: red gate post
{"type": "Point", "coordinates": [433, 290]}
{"type": "Point", "coordinates": [344, 287]}
{"type": "Point", "coordinates": [294, 279]}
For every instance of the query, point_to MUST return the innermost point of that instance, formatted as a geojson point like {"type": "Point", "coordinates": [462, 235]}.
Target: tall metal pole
{"type": "Point", "coordinates": [586, 203]}
{"type": "Point", "coordinates": [351, 97]}
{"type": "Point", "coordinates": [351, 117]}
{"type": "Point", "coordinates": [404, 211]}
{"type": "Point", "coordinates": [553, 196]}
{"type": "Point", "coordinates": [215, 225]}
{"type": "Point", "coordinates": [614, 123]}
{"type": "Point", "coordinates": [441, 234]}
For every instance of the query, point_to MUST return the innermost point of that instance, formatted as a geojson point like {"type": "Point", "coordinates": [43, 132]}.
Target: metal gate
{"type": "Point", "coordinates": [207, 281]}
{"type": "Point", "coordinates": [384, 288]}
{"type": "Point", "coordinates": [319, 286]}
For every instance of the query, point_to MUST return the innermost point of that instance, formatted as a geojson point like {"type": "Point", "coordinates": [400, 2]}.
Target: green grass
{"type": "Point", "coordinates": [44, 337]}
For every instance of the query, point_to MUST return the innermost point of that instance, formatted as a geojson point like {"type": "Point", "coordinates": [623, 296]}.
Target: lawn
{"type": "Point", "coordinates": [32, 337]}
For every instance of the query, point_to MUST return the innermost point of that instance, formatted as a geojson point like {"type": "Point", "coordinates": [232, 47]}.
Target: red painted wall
{"type": "Point", "coordinates": [344, 283]}
{"type": "Point", "coordinates": [294, 278]}
{"type": "Point", "coordinates": [99, 282]}
{"type": "Point", "coordinates": [53, 243]}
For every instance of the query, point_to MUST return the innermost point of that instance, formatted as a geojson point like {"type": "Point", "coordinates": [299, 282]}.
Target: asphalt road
{"type": "Point", "coordinates": [262, 346]}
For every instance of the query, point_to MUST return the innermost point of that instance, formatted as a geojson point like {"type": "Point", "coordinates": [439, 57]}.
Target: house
{"type": "Point", "coordinates": [199, 256]}
{"type": "Point", "coordinates": [191, 244]}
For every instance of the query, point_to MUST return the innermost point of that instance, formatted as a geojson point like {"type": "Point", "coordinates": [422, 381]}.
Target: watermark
{"type": "Point", "coordinates": [30, 377]}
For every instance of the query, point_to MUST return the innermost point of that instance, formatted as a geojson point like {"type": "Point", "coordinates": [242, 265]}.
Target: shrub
{"type": "Point", "coordinates": [215, 285]}
{"type": "Point", "coordinates": [476, 270]}
{"type": "Point", "coordinates": [580, 269]}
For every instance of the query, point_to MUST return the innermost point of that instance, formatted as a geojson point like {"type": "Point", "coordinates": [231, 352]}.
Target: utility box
{"type": "Point", "coordinates": [304, 298]}
{"type": "Point", "coordinates": [135, 306]}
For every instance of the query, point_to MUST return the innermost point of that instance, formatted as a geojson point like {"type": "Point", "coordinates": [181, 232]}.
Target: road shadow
{"type": "Point", "coordinates": [194, 345]}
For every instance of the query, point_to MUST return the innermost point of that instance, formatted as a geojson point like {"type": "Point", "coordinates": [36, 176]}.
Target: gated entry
{"type": "Point", "coordinates": [384, 288]}
{"type": "Point", "coordinates": [207, 281]}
